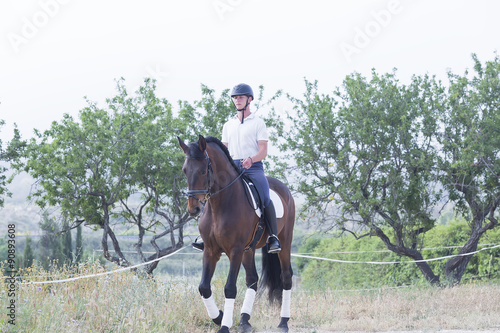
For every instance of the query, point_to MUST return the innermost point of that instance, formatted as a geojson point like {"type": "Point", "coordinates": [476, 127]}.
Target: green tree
{"type": "Point", "coordinates": [214, 112]}
{"type": "Point", "coordinates": [91, 168]}
{"type": "Point", "coordinates": [29, 256]}
{"type": "Point", "coordinates": [365, 158]}
{"type": "Point", "coordinates": [470, 158]}
{"type": "Point", "coordinates": [11, 153]}
{"type": "Point", "coordinates": [439, 242]}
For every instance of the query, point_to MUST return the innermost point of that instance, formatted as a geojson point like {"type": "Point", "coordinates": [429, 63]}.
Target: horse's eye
{"type": "Point", "coordinates": [203, 172]}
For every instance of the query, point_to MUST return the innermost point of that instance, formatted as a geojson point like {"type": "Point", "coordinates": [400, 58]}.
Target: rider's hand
{"type": "Point", "coordinates": [247, 163]}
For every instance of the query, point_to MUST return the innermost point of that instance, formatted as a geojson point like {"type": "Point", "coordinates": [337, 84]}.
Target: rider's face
{"type": "Point", "coordinates": [240, 101]}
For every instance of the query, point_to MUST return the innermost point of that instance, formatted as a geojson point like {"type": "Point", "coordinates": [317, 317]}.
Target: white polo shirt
{"type": "Point", "coordinates": [243, 138]}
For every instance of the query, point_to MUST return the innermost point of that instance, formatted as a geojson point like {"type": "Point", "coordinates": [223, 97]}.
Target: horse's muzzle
{"type": "Point", "coordinates": [195, 206]}
{"type": "Point", "coordinates": [194, 211]}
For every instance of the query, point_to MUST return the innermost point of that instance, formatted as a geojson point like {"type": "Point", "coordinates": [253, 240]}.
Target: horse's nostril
{"type": "Point", "coordinates": [196, 211]}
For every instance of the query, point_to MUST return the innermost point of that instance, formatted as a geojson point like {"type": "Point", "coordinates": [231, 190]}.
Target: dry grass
{"type": "Point", "coordinates": [465, 307]}
{"type": "Point", "coordinates": [124, 302]}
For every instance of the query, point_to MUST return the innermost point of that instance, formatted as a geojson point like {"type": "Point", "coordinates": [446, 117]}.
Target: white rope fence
{"type": "Point", "coordinates": [388, 251]}
{"type": "Point", "coordinates": [293, 255]}
{"type": "Point", "coordinates": [394, 262]}
{"type": "Point", "coordinates": [332, 252]}
{"type": "Point", "coordinates": [103, 273]}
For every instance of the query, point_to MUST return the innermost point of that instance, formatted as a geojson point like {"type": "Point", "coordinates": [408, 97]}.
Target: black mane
{"type": "Point", "coordinates": [196, 153]}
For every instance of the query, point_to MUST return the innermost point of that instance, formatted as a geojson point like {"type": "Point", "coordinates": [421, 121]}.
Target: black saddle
{"type": "Point", "coordinates": [255, 192]}
{"type": "Point", "coordinates": [257, 195]}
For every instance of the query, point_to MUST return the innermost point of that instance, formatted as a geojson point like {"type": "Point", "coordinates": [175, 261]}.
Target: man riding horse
{"type": "Point", "coordinates": [246, 137]}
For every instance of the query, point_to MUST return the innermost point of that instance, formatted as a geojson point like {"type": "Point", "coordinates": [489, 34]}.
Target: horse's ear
{"type": "Point", "coordinates": [184, 147]}
{"type": "Point", "coordinates": [202, 143]}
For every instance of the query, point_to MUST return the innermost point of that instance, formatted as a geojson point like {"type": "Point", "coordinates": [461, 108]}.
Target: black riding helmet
{"type": "Point", "coordinates": [242, 89]}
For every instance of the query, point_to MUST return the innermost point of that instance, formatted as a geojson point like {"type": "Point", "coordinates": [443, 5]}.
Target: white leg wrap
{"type": "Point", "coordinates": [227, 319]}
{"type": "Point", "coordinates": [285, 305]}
{"type": "Point", "coordinates": [212, 309]}
{"type": "Point", "coordinates": [248, 302]}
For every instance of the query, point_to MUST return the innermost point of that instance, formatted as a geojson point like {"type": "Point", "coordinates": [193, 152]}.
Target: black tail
{"type": "Point", "coordinates": [271, 276]}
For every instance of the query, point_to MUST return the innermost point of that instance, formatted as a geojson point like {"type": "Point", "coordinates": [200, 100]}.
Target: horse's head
{"type": "Point", "coordinates": [197, 168]}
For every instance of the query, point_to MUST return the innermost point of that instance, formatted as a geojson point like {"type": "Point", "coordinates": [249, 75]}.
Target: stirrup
{"type": "Point", "coordinates": [273, 244]}
{"type": "Point", "coordinates": [198, 245]}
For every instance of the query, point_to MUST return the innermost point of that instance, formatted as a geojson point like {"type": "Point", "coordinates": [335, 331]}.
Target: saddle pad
{"type": "Point", "coordinates": [278, 204]}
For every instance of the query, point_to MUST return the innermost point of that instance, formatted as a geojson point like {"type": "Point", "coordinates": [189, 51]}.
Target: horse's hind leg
{"type": "Point", "coordinates": [286, 277]}
{"type": "Point", "coordinates": [205, 290]}
{"type": "Point", "coordinates": [251, 281]}
{"type": "Point", "coordinates": [285, 310]}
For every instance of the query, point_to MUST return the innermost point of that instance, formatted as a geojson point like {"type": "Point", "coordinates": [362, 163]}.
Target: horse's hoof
{"type": "Point", "coordinates": [245, 328]}
{"type": "Point", "coordinates": [218, 320]}
{"type": "Point", "coordinates": [223, 329]}
{"type": "Point", "coordinates": [283, 326]}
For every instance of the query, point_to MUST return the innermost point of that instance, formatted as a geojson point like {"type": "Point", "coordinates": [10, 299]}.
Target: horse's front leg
{"type": "Point", "coordinates": [209, 262]}
{"type": "Point", "coordinates": [230, 289]}
{"type": "Point", "coordinates": [251, 281]}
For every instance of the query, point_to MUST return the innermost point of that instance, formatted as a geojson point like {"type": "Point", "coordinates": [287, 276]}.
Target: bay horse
{"type": "Point", "coordinates": [227, 225]}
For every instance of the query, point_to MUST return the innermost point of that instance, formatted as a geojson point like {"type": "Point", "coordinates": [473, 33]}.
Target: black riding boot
{"type": "Point", "coordinates": [273, 243]}
{"type": "Point", "coordinates": [198, 245]}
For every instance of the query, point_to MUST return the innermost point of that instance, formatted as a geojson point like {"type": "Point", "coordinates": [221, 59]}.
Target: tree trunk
{"type": "Point", "coordinates": [411, 253]}
{"type": "Point", "coordinates": [120, 260]}
{"type": "Point", "coordinates": [163, 252]}
{"type": "Point", "coordinates": [455, 267]}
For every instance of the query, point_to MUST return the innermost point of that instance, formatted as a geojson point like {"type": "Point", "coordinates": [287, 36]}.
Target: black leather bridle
{"type": "Point", "coordinates": [208, 192]}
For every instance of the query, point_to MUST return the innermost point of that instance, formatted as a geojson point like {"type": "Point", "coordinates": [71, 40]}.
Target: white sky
{"type": "Point", "coordinates": [55, 52]}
